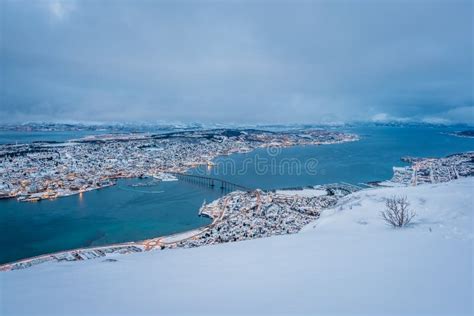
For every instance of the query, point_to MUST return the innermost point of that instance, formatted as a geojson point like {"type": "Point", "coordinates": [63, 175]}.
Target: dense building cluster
{"type": "Point", "coordinates": [48, 170]}
{"type": "Point", "coordinates": [236, 216]}
{"type": "Point", "coordinates": [256, 214]}
{"type": "Point", "coordinates": [242, 215]}
{"type": "Point", "coordinates": [435, 170]}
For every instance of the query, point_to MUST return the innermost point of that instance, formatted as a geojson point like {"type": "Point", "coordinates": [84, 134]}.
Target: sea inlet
{"type": "Point", "coordinates": [127, 212]}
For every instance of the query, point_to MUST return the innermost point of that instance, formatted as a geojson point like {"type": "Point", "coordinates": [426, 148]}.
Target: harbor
{"type": "Point", "coordinates": [251, 214]}
{"type": "Point", "coordinates": [31, 172]}
{"type": "Point", "coordinates": [238, 215]}
{"type": "Point", "coordinates": [137, 209]}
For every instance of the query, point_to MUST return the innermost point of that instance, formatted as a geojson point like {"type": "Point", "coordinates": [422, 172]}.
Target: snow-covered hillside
{"type": "Point", "coordinates": [348, 262]}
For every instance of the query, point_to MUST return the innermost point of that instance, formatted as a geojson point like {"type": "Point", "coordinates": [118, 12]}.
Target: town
{"type": "Point", "coordinates": [31, 172]}
{"type": "Point", "coordinates": [434, 170]}
{"type": "Point", "coordinates": [257, 214]}
{"type": "Point", "coordinates": [241, 215]}
{"type": "Point", "coordinates": [237, 216]}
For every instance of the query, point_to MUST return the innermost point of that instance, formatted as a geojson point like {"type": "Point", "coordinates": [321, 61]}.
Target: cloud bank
{"type": "Point", "coordinates": [278, 62]}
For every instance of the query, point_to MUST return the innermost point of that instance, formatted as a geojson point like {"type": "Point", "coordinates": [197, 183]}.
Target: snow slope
{"type": "Point", "coordinates": [348, 262]}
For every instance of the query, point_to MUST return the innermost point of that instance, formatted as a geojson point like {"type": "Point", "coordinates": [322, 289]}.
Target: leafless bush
{"type": "Point", "coordinates": [397, 212]}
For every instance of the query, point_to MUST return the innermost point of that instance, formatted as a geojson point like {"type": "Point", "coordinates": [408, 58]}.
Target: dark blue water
{"type": "Point", "coordinates": [122, 213]}
{"type": "Point", "coordinates": [116, 214]}
{"type": "Point", "coordinates": [370, 159]}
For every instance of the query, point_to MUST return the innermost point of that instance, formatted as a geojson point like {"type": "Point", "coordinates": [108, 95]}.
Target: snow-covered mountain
{"type": "Point", "coordinates": [347, 262]}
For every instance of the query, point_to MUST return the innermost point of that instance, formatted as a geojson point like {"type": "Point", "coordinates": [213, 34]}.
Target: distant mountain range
{"type": "Point", "coordinates": [176, 126]}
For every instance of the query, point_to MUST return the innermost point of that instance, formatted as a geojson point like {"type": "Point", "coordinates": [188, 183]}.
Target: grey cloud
{"type": "Point", "coordinates": [279, 61]}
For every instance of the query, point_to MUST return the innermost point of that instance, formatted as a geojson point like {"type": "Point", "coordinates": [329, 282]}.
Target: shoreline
{"type": "Point", "coordinates": [36, 197]}
{"type": "Point", "coordinates": [143, 245]}
{"type": "Point", "coordinates": [460, 164]}
{"type": "Point", "coordinates": [112, 181]}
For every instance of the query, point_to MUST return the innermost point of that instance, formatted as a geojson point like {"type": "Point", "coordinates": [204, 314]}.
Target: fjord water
{"type": "Point", "coordinates": [124, 213]}
{"type": "Point", "coordinates": [111, 215]}
{"type": "Point", "coordinates": [372, 158]}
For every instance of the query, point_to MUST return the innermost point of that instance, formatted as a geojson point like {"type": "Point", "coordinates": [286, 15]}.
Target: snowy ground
{"type": "Point", "coordinates": [303, 192]}
{"type": "Point", "coordinates": [349, 262]}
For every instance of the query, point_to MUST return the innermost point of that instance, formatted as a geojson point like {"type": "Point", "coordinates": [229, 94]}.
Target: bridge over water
{"type": "Point", "coordinates": [210, 181]}
{"type": "Point", "coordinates": [228, 186]}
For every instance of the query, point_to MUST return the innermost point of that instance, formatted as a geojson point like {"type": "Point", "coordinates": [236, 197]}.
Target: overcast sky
{"type": "Point", "coordinates": [236, 61]}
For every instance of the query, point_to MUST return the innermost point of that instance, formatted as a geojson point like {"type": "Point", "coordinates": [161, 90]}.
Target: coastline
{"type": "Point", "coordinates": [460, 164]}
{"type": "Point", "coordinates": [142, 245]}
{"type": "Point", "coordinates": [152, 243]}
{"type": "Point", "coordinates": [111, 180]}
{"type": "Point", "coordinates": [284, 142]}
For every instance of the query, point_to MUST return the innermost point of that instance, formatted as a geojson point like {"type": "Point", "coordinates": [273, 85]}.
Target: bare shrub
{"type": "Point", "coordinates": [397, 212]}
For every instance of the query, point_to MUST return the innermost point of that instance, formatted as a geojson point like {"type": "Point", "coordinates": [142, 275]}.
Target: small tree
{"type": "Point", "coordinates": [397, 213]}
